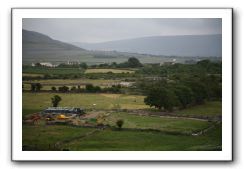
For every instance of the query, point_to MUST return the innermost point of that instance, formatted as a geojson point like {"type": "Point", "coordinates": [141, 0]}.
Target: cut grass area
{"type": "Point", "coordinates": [42, 136]}
{"type": "Point", "coordinates": [110, 140]}
{"type": "Point", "coordinates": [32, 75]}
{"type": "Point", "coordinates": [109, 70]}
{"type": "Point", "coordinates": [40, 101]}
{"type": "Point", "coordinates": [54, 71]}
{"type": "Point", "coordinates": [186, 126]}
{"type": "Point", "coordinates": [208, 109]}
{"type": "Point", "coordinates": [61, 82]}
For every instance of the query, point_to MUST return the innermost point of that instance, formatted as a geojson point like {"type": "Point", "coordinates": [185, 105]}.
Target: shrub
{"type": "Point", "coordinates": [120, 123]}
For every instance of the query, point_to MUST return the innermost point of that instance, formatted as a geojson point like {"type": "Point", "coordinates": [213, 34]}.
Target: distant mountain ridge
{"type": "Point", "coordinates": [179, 45]}
{"type": "Point", "coordinates": [47, 43]}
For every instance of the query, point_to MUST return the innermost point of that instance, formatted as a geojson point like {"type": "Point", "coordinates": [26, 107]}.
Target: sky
{"type": "Point", "coordinates": [93, 30]}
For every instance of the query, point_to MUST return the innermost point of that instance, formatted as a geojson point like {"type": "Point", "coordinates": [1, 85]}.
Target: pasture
{"type": "Point", "coordinates": [78, 139]}
{"type": "Point", "coordinates": [48, 84]}
{"type": "Point", "coordinates": [40, 101]}
{"type": "Point", "coordinates": [138, 132]}
{"type": "Point", "coordinates": [109, 70]}
{"type": "Point", "coordinates": [53, 71]}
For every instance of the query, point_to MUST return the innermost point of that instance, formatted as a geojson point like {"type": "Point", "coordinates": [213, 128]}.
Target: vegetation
{"type": "Point", "coordinates": [108, 71]}
{"type": "Point", "coordinates": [120, 123]}
{"type": "Point", "coordinates": [55, 100]}
{"type": "Point", "coordinates": [35, 87]}
{"type": "Point", "coordinates": [159, 106]}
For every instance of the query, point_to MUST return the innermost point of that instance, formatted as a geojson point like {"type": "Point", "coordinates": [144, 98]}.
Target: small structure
{"type": "Point", "coordinates": [126, 84]}
{"type": "Point", "coordinates": [47, 64]}
{"type": "Point", "coordinates": [63, 110]}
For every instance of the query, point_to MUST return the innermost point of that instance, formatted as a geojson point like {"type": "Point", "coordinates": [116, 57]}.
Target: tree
{"type": "Point", "coordinates": [184, 94]}
{"type": "Point", "coordinates": [92, 89]}
{"type": "Point", "coordinates": [199, 91]}
{"type": "Point", "coordinates": [120, 123]}
{"type": "Point", "coordinates": [134, 62]}
{"type": "Point", "coordinates": [38, 86]}
{"type": "Point", "coordinates": [35, 87]}
{"type": "Point", "coordinates": [161, 97]}
{"type": "Point", "coordinates": [53, 88]}
{"type": "Point", "coordinates": [73, 89]}
{"type": "Point", "coordinates": [63, 89]}
{"type": "Point", "coordinates": [83, 65]}
{"type": "Point", "coordinates": [55, 100]}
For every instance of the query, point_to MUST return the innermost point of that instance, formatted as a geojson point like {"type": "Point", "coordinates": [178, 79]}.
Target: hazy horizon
{"type": "Point", "coordinates": [92, 30]}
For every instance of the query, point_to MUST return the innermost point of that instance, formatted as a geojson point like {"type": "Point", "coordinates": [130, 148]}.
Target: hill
{"type": "Point", "coordinates": [183, 45]}
{"type": "Point", "coordinates": [37, 45]}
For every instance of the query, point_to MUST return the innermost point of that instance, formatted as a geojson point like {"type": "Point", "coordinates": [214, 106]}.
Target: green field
{"type": "Point", "coordinates": [54, 71]}
{"type": "Point", "coordinates": [40, 101]}
{"type": "Point", "coordinates": [108, 70]}
{"type": "Point", "coordinates": [48, 84]}
{"type": "Point", "coordinates": [209, 109]}
{"type": "Point", "coordinates": [138, 132]}
{"type": "Point", "coordinates": [73, 138]}
{"type": "Point", "coordinates": [158, 123]}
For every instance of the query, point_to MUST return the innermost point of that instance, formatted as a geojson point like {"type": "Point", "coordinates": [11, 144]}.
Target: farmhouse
{"type": "Point", "coordinates": [46, 64]}
{"type": "Point", "coordinates": [126, 84]}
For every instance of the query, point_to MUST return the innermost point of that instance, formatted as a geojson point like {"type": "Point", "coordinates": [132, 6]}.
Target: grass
{"type": "Point", "coordinates": [42, 137]}
{"type": "Point", "coordinates": [32, 75]}
{"type": "Point", "coordinates": [74, 82]}
{"type": "Point", "coordinates": [208, 109]}
{"type": "Point", "coordinates": [40, 101]}
{"type": "Point", "coordinates": [146, 141]}
{"type": "Point", "coordinates": [109, 70]}
{"type": "Point", "coordinates": [171, 137]}
{"type": "Point", "coordinates": [48, 84]}
{"type": "Point", "coordinates": [159, 123]}
{"type": "Point", "coordinates": [55, 71]}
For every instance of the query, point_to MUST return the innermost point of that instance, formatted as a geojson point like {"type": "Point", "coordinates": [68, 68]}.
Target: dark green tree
{"type": "Point", "coordinates": [55, 100]}
{"type": "Point", "coordinates": [184, 94]}
{"type": "Point", "coordinates": [54, 88]}
{"type": "Point", "coordinates": [38, 86]}
{"type": "Point", "coordinates": [161, 97]}
{"type": "Point", "coordinates": [120, 123]}
{"type": "Point", "coordinates": [134, 62]}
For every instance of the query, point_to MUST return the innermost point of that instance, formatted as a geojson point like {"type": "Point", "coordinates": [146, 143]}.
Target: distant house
{"type": "Point", "coordinates": [126, 84]}
{"type": "Point", "coordinates": [73, 62]}
{"type": "Point", "coordinates": [168, 63]}
{"type": "Point", "coordinates": [47, 64]}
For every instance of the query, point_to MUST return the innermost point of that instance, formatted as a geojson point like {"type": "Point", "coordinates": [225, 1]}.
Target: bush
{"type": "Point", "coordinates": [120, 123]}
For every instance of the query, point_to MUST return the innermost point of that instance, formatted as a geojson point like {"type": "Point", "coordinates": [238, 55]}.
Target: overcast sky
{"type": "Point", "coordinates": [101, 30]}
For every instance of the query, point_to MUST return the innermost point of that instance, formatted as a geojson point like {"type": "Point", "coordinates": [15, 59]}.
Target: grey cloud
{"type": "Point", "coordinates": [107, 29]}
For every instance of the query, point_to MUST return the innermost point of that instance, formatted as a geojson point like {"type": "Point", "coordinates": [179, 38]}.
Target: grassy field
{"type": "Point", "coordinates": [158, 123]}
{"type": "Point", "coordinates": [48, 84]}
{"type": "Point", "coordinates": [74, 81]}
{"type": "Point", "coordinates": [146, 141]}
{"type": "Point", "coordinates": [44, 137]}
{"type": "Point", "coordinates": [32, 75]}
{"type": "Point", "coordinates": [138, 132]}
{"type": "Point", "coordinates": [40, 101]}
{"type": "Point", "coordinates": [108, 70]}
{"type": "Point", "coordinates": [208, 109]}
{"type": "Point", "coordinates": [54, 71]}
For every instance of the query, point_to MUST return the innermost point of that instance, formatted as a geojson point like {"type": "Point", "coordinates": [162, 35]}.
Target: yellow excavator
{"type": "Point", "coordinates": [62, 117]}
